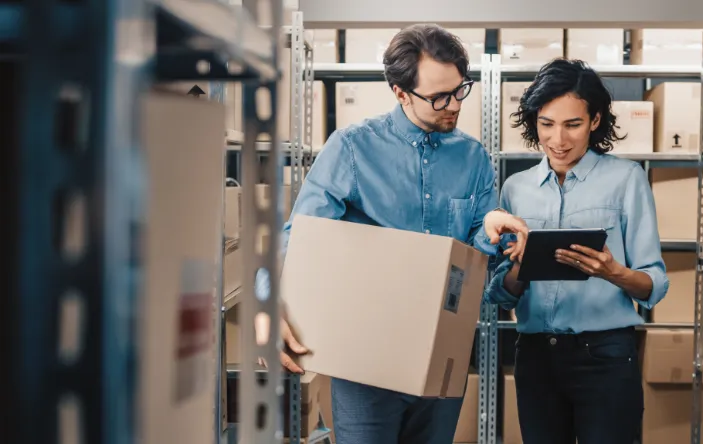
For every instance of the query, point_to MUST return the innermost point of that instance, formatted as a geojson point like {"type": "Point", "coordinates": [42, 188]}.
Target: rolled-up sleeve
{"type": "Point", "coordinates": [327, 190]}
{"type": "Point", "coordinates": [495, 292]}
{"type": "Point", "coordinates": [641, 236]}
{"type": "Point", "coordinates": [486, 201]}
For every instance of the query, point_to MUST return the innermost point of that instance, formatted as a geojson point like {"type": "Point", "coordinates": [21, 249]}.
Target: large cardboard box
{"type": "Point", "coordinates": [511, 138]}
{"type": "Point", "coordinates": [182, 241]}
{"type": "Point", "coordinates": [357, 101]}
{"type": "Point", "coordinates": [319, 115]}
{"type": "Point", "coordinates": [667, 369]}
{"type": "Point", "coordinates": [677, 306]}
{"type": "Point", "coordinates": [675, 195]}
{"type": "Point", "coordinates": [596, 46]}
{"type": "Point", "coordinates": [677, 47]}
{"type": "Point", "coordinates": [667, 357]}
{"type": "Point", "coordinates": [467, 427]}
{"type": "Point", "coordinates": [511, 423]}
{"type": "Point", "coordinates": [367, 45]}
{"type": "Point", "coordinates": [677, 116]}
{"type": "Point", "coordinates": [530, 46]}
{"type": "Point", "coordinates": [474, 41]}
{"type": "Point", "coordinates": [388, 308]}
{"type": "Point", "coordinates": [636, 122]}
{"type": "Point", "coordinates": [325, 46]}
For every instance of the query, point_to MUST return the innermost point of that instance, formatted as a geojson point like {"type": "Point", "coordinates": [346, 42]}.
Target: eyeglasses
{"type": "Point", "coordinates": [442, 101]}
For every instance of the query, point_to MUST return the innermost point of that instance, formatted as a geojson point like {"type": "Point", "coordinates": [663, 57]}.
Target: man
{"type": "Point", "coordinates": [409, 169]}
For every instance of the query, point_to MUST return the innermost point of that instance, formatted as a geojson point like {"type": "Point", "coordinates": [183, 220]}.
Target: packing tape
{"type": "Point", "coordinates": [447, 377]}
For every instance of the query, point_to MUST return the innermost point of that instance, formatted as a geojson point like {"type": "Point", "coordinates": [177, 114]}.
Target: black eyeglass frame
{"type": "Point", "coordinates": [447, 96]}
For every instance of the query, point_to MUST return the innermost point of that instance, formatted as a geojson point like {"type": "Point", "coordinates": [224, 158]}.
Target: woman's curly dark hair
{"type": "Point", "coordinates": [560, 77]}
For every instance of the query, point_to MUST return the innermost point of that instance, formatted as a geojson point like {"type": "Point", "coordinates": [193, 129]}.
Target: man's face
{"type": "Point", "coordinates": [434, 79]}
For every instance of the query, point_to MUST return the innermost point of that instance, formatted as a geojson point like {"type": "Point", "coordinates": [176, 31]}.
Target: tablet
{"type": "Point", "coordinates": [539, 263]}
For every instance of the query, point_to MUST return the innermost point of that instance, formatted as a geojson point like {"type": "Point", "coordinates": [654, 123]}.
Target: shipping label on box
{"type": "Point", "coordinates": [408, 332]}
{"type": "Point", "coordinates": [636, 122]}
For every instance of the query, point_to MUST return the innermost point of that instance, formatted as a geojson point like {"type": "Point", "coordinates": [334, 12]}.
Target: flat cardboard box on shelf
{"type": "Point", "coordinates": [367, 45]}
{"type": "Point", "coordinates": [675, 195]}
{"type": "Point", "coordinates": [677, 306]}
{"type": "Point", "coordinates": [677, 116]}
{"type": "Point", "coordinates": [636, 122]}
{"type": "Point", "coordinates": [325, 46]}
{"type": "Point", "coordinates": [474, 41]}
{"type": "Point", "coordinates": [467, 426]}
{"type": "Point", "coordinates": [407, 326]}
{"type": "Point", "coordinates": [672, 47]}
{"type": "Point", "coordinates": [530, 46]}
{"type": "Point", "coordinates": [511, 138]}
{"type": "Point", "coordinates": [357, 101]}
{"type": "Point", "coordinates": [596, 46]}
{"type": "Point", "coordinates": [471, 113]}
{"type": "Point", "coordinates": [182, 239]}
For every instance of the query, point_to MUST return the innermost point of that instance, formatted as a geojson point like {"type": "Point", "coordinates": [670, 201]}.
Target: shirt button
{"type": "Point", "coordinates": [427, 196]}
{"type": "Point", "coordinates": [414, 143]}
{"type": "Point", "coordinates": [553, 341]}
{"type": "Point", "coordinates": [424, 161]}
{"type": "Point", "coordinates": [427, 231]}
{"type": "Point", "coordinates": [435, 145]}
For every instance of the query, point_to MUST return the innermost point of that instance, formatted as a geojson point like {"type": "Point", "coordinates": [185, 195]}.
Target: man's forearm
{"type": "Point", "coordinates": [511, 284]}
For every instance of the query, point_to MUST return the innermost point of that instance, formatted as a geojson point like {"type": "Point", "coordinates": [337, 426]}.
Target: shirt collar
{"type": "Point", "coordinates": [410, 132]}
{"type": "Point", "coordinates": [581, 170]}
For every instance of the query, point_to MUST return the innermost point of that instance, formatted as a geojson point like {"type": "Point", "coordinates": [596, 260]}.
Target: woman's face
{"type": "Point", "coordinates": [564, 128]}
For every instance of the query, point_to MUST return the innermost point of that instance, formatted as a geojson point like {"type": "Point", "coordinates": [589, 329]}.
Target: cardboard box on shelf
{"type": "Point", "coordinates": [319, 115]}
{"type": "Point", "coordinates": [325, 46]}
{"type": "Point", "coordinates": [511, 138]}
{"type": "Point", "coordinates": [677, 116]}
{"type": "Point", "coordinates": [511, 424]}
{"type": "Point", "coordinates": [677, 306]}
{"type": "Point", "coordinates": [667, 413]}
{"type": "Point", "coordinates": [326, 404]}
{"type": "Point", "coordinates": [474, 41]}
{"type": "Point", "coordinates": [367, 45]}
{"type": "Point", "coordinates": [182, 239]}
{"type": "Point", "coordinates": [675, 195]}
{"type": "Point", "coordinates": [673, 47]}
{"type": "Point", "coordinates": [310, 387]}
{"type": "Point", "coordinates": [667, 357]}
{"type": "Point", "coordinates": [530, 46]}
{"type": "Point", "coordinates": [596, 46]}
{"type": "Point", "coordinates": [233, 347]}
{"type": "Point", "coordinates": [467, 427]}
{"type": "Point", "coordinates": [357, 101]}
{"type": "Point", "coordinates": [636, 122]}
{"type": "Point", "coordinates": [472, 112]}
{"type": "Point", "coordinates": [419, 335]}
{"type": "Point", "coordinates": [667, 368]}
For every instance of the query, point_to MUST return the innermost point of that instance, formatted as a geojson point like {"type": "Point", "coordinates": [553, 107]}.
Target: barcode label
{"type": "Point", "coordinates": [453, 295]}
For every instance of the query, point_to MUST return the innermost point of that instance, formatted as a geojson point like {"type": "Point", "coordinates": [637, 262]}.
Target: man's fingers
{"type": "Point", "coordinates": [295, 346]}
{"type": "Point", "coordinates": [519, 248]}
{"type": "Point", "coordinates": [291, 366]}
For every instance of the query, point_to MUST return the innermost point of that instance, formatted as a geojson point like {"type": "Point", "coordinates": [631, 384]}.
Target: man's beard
{"type": "Point", "coordinates": [441, 125]}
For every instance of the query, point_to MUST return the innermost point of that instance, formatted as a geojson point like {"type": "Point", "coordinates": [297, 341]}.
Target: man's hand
{"type": "Point", "coordinates": [592, 262]}
{"type": "Point", "coordinates": [291, 343]}
{"type": "Point", "coordinates": [499, 222]}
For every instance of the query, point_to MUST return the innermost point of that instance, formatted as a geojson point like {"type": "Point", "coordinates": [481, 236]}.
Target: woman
{"type": "Point", "coordinates": [576, 365]}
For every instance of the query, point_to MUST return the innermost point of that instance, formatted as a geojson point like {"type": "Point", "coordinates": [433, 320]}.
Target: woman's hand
{"type": "Point", "coordinates": [594, 263]}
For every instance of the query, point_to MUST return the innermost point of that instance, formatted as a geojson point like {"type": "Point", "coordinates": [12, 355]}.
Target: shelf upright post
{"type": "Point", "coordinates": [308, 115]}
{"type": "Point", "coordinates": [488, 344]}
{"type": "Point", "coordinates": [217, 93]}
{"type": "Point", "coordinates": [259, 403]}
{"type": "Point", "coordinates": [297, 59]}
{"type": "Point", "coordinates": [698, 309]}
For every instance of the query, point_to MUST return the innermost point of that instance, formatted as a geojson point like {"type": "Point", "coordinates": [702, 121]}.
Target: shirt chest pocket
{"type": "Point", "coordinates": [604, 218]}
{"type": "Point", "coordinates": [461, 217]}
